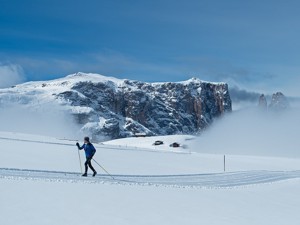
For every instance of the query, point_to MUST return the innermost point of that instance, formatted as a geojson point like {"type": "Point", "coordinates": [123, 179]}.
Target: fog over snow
{"type": "Point", "coordinates": [11, 74]}
{"type": "Point", "coordinates": [253, 132]}
{"type": "Point", "coordinates": [49, 120]}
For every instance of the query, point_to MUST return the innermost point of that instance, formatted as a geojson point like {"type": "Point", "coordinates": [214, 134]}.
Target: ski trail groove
{"type": "Point", "coordinates": [213, 180]}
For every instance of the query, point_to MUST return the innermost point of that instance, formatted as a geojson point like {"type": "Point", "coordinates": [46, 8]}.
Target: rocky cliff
{"type": "Point", "coordinates": [262, 102]}
{"type": "Point", "coordinates": [278, 102]}
{"type": "Point", "coordinates": [111, 108]}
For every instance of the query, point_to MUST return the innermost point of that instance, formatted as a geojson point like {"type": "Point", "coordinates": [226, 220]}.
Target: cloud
{"type": "Point", "coordinates": [11, 74]}
{"type": "Point", "coordinates": [239, 95]}
{"type": "Point", "coordinates": [242, 98]}
{"type": "Point", "coordinates": [254, 132]}
{"type": "Point", "coordinates": [49, 120]}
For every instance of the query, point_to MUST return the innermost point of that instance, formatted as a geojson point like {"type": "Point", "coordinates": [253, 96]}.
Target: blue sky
{"type": "Point", "coordinates": [252, 44]}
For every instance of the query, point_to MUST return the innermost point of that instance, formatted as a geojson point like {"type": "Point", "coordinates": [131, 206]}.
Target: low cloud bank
{"type": "Point", "coordinates": [253, 132]}
{"type": "Point", "coordinates": [48, 120]}
{"type": "Point", "coordinates": [11, 74]}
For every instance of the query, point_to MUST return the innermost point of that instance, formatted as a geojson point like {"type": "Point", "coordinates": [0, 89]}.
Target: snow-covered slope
{"type": "Point", "coordinates": [40, 183]}
{"type": "Point", "coordinates": [149, 143]}
{"type": "Point", "coordinates": [109, 108]}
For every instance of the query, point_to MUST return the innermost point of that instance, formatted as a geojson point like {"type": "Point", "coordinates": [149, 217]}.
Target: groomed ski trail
{"type": "Point", "coordinates": [213, 180]}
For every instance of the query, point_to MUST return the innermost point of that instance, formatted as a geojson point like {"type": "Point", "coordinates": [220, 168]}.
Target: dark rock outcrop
{"type": "Point", "coordinates": [108, 108]}
{"type": "Point", "coordinates": [120, 110]}
{"type": "Point", "coordinates": [262, 103]}
{"type": "Point", "coordinates": [279, 102]}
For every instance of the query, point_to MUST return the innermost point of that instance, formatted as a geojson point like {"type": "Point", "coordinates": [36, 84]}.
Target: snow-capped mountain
{"type": "Point", "coordinates": [110, 108]}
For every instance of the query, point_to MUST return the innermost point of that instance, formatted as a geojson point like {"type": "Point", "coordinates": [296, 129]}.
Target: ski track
{"type": "Point", "coordinates": [213, 180]}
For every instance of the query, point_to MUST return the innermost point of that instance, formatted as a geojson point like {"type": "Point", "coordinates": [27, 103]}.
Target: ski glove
{"type": "Point", "coordinates": [77, 144]}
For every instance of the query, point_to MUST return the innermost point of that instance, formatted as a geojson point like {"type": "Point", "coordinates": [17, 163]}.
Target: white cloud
{"type": "Point", "coordinates": [11, 74]}
{"type": "Point", "coordinates": [49, 119]}
{"type": "Point", "coordinates": [254, 132]}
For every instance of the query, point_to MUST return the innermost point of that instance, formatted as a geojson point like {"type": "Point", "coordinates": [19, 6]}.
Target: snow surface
{"type": "Point", "coordinates": [148, 142]}
{"type": "Point", "coordinates": [42, 92]}
{"type": "Point", "coordinates": [40, 183]}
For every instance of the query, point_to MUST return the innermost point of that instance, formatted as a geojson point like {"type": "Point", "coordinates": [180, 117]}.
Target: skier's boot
{"type": "Point", "coordinates": [84, 175]}
{"type": "Point", "coordinates": [95, 173]}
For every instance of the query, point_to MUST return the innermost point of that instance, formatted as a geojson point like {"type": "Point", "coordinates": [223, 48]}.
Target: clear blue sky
{"type": "Point", "coordinates": [253, 44]}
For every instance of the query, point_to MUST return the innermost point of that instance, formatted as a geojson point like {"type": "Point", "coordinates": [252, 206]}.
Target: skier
{"type": "Point", "coordinates": [89, 153]}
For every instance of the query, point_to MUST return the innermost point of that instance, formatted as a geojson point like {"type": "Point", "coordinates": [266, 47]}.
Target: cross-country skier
{"type": "Point", "coordinates": [89, 153]}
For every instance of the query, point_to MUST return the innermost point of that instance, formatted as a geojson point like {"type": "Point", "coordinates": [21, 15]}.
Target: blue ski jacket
{"type": "Point", "coordinates": [89, 150]}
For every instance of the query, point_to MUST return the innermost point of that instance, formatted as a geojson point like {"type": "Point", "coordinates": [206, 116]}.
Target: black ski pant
{"type": "Point", "coordinates": [88, 163]}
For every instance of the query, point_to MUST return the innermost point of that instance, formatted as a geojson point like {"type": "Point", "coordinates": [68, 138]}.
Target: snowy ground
{"type": "Point", "coordinates": [40, 183]}
{"type": "Point", "coordinates": [142, 143]}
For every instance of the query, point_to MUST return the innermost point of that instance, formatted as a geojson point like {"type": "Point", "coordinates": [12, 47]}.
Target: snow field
{"type": "Point", "coordinates": [152, 186]}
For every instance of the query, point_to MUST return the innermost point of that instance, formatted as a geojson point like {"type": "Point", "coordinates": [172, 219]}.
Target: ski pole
{"type": "Point", "coordinates": [104, 169]}
{"type": "Point", "coordinates": [79, 161]}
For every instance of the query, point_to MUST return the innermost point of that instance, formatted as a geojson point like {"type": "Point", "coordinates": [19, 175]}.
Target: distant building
{"type": "Point", "coordinates": [140, 135]}
{"type": "Point", "coordinates": [158, 143]}
{"type": "Point", "coordinates": [175, 145]}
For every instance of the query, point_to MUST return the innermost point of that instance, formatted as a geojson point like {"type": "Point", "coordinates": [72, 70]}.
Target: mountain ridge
{"type": "Point", "coordinates": [108, 108]}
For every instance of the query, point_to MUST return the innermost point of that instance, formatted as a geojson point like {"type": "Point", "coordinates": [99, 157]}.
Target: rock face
{"type": "Point", "coordinates": [109, 108]}
{"type": "Point", "coordinates": [279, 102]}
{"type": "Point", "coordinates": [262, 103]}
